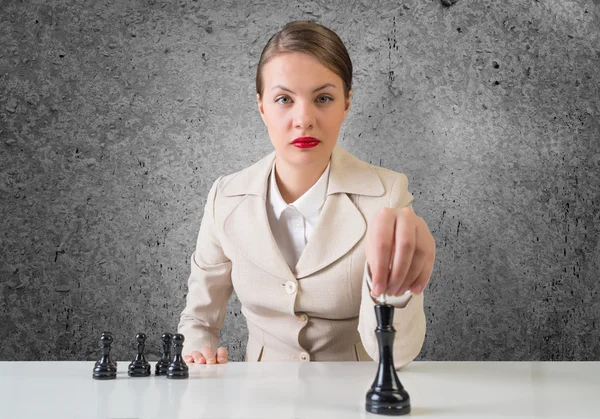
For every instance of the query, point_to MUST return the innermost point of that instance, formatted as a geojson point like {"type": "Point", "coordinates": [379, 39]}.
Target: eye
{"type": "Point", "coordinates": [284, 100]}
{"type": "Point", "coordinates": [324, 99]}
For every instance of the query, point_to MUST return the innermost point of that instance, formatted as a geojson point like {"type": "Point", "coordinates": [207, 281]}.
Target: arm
{"type": "Point", "coordinates": [209, 286]}
{"type": "Point", "coordinates": [409, 317]}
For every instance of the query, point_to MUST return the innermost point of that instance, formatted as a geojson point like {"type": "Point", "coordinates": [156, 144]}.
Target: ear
{"type": "Point", "coordinates": [348, 102]}
{"type": "Point", "coordinates": [260, 108]}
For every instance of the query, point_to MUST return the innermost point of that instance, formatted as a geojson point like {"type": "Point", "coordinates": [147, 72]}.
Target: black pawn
{"type": "Point", "coordinates": [386, 396]}
{"type": "Point", "coordinates": [178, 368]}
{"type": "Point", "coordinates": [104, 369]}
{"type": "Point", "coordinates": [110, 358]}
{"type": "Point", "coordinates": [163, 364]}
{"type": "Point", "coordinates": [139, 367]}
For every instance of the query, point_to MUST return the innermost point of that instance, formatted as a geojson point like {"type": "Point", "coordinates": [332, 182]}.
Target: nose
{"type": "Point", "coordinates": [304, 115]}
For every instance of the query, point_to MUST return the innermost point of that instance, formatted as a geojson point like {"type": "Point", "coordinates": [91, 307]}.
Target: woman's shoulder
{"type": "Point", "coordinates": [395, 185]}
{"type": "Point", "coordinates": [249, 180]}
{"type": "Point", "coordinates": [387, 176]}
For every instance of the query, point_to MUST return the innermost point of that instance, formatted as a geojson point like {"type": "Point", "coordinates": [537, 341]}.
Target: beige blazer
{"type": "Point", "coordinates": [320, 311]}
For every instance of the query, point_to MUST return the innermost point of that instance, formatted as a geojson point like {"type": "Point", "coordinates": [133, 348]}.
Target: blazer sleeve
{"type": "Point", "coordinates": [209, 285]}
{"type": "Point", "coordinates": [409, 321]}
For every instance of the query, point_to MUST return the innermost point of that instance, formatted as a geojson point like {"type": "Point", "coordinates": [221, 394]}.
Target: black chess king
{"type": "Point", "coordinates": [387, 395]}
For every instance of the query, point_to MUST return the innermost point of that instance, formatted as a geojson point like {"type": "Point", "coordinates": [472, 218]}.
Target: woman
{"type": "Point", "coordinates": [289, 233]}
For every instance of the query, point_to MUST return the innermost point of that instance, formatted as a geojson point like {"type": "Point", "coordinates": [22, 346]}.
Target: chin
{"type": "Point", "coordinates": [314, 155]}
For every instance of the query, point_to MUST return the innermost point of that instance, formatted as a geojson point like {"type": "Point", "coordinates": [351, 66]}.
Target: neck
{"type": "Point", "coordinates": [294, 181]}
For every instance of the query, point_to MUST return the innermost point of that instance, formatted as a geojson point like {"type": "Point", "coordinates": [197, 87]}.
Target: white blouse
{"type": "Point", "coordinates": [292, 224]}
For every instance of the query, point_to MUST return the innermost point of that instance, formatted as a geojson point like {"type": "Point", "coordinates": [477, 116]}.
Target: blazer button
{"type": "Point", "coordinates": [302, 317]}
{"type": "Point", "coordinates": [304, 356]}
{"type": "Point", "coordinates": [290, 287]}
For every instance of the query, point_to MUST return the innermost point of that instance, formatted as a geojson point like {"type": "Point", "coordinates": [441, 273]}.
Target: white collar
{"type": "Point", "coordinates": [308, 204]}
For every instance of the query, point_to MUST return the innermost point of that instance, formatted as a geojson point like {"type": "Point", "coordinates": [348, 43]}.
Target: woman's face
{"type": "Point", "coordinates": [302, 98]}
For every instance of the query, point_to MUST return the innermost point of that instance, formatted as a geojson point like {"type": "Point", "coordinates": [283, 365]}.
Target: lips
{"type": "Point", "coordinates": [305, 142]}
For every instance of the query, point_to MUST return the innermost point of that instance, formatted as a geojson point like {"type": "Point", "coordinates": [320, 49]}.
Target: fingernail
{"type": "Point", "coordinates": [416, 290]}
{"type": "Point", "coordinates": [376, 290]}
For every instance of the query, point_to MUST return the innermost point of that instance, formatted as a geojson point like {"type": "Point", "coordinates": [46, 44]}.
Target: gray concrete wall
{"type": "Point", "coordinates": [117, 116]}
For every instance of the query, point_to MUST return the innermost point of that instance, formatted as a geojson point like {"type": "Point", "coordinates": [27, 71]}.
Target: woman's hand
{"type": "Point", "coordinates": [207, 356]}
{"type": "Point", "coordinates": [400, 252]}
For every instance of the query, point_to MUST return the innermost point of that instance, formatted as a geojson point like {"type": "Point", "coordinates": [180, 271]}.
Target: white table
{"type": "Point", "coordinates": [301, 390]}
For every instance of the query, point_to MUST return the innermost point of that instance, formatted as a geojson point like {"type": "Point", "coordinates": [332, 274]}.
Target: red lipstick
{"type": "Point", "coordinates": [305, 142]}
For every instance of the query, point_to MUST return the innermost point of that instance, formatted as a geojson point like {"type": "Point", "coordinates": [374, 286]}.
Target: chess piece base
{"type": "Point", "coordinates": [391, 403]}
{"type": "Point", "coordinates": [104, 372]}
{"type": "Point", "coordinates": [113, 363]}
{"type": "Point", "coordinates": [139, 370]}
{"type": "Point", "coordinates": [178, 372]}
{"type": "Point", "coordinates": [161, 368]}
{"type": "Point", "coordinates": [177, 377]}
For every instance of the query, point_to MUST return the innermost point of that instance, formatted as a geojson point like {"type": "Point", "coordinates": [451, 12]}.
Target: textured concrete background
{"type": "Point", "coordinates": [117, 116]}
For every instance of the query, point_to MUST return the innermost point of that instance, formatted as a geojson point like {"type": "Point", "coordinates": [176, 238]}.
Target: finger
{"type": "Point", "coordinates": [404, 247]}
{"type": "Point", "coordinates": [416, 267]}
{"type": "Point", "coordinates": [419, 285]}
{"type": "Point", "coordinates": [208, 354]}
{"type": "Point", "coordinates": [198, 358]}
{"type": "Point", "coordinates": [422, 249]}
{"type": "Point", "coordinates": [188, 358]}
{"type": "Point", "coordinates": [222, 355]}
{"type": "Point", "coordinates": [380, 248]}
{"type": "Point", "coordinates": [423, 278]}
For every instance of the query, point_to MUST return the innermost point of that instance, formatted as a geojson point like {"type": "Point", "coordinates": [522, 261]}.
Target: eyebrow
{"type": "Point", "coordinates": [314, 91]}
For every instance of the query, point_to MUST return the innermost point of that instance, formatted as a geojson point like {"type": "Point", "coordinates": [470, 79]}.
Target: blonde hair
{"type": "Point", "coordinates": [313, 39]}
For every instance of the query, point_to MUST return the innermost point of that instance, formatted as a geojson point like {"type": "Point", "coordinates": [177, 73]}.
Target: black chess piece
{"type": "Point", "coordinates": [139, 367]}
{"type": "Point", "coordinates": [387, 395]}
{"type": "Point", "coordinates": [104, 369]}
{"type": "Point", "coordinates": [110, 358]}
{"type": "Point", "coordinates": [178, 368]}
{"type": "Point", "coordinates": [163, 364]}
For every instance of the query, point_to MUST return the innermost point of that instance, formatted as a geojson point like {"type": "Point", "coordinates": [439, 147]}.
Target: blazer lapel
{"type": "Point", "coordinates": [340, 227]}
{"type": "Point", "coordinates": [341, 224]}
{"type": "Point", "coordinates": [247, 226]}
